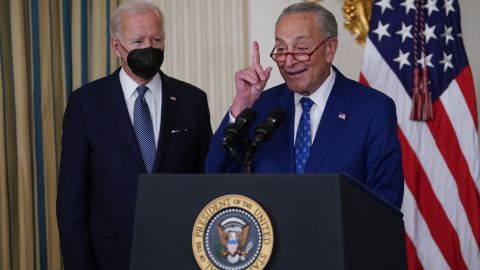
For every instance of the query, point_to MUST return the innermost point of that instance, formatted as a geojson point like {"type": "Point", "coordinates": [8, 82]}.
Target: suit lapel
{"type": "Point", "coordinates": [118, 106]}
{"type": "Point", "coordinates": [333, 118]}
{"type": "Point", "coordinates": [287, 103]}
{"type": "Point", "coordinates": [170, 105]}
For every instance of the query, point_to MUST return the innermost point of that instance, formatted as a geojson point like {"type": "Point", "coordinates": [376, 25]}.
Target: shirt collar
{"type": "Point", "coordinates": [155, 85]}
{"type": "Point", "coordinates": [320, 96]}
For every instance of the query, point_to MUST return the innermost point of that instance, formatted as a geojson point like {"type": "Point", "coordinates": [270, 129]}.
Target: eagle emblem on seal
{"type": "Point", "coordinates": [233, 235]}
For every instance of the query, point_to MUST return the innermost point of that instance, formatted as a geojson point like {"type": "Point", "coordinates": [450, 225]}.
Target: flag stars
{"type": "Point", "coordinates": [446, 61]}
{"type": "Point", "coordinates": [429, 32]}
{"type": "Point", "coordinates": [384, 4]}
{"type": "Point", "coordinates": [431, 5]}
{"type": "Point", "coordinates": [448, 7]}
{"type": "Point", "coordinates": [425, 60]}
{"type": "Point", "coordinates": [408, 4]}
{"type": "Point", "coordinates": [402, 59]}
{"type": "Point", "coordinates": [382, 30]}
{"type": "Point", "coordinates": [448, 34]}
{"type": "Point", "coordinates": [405, 32]}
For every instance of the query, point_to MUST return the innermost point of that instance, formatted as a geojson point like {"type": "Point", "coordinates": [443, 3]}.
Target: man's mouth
{"type": "Point", "coordinates": [297, 73]}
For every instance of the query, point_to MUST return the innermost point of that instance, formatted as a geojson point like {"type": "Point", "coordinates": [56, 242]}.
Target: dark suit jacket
{"type": "Point", "coordinates": [101, 161]}
{"type": "Point", "coordinates": [363, 145]}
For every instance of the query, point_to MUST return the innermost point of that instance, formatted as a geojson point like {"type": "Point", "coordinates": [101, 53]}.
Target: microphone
{"type": "Point", "coordinates": [263, 133]}
{"type": "Point", "coordinates": [265, 130]}
{"type": "Point", "coordinates": [242, 123]}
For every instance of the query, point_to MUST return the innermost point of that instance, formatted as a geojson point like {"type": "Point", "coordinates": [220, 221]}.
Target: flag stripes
{"type": "Point", "coordinates": [441, 170]}
{"type": "Point", "coordinates": [428, 256]}
{"type": "Point", "coordinates": [442, 230]}
{"type": "Point", "coordinates": [465, 82]}
{"type": "Point", "coordinates": [412, 258]}
{"type": "Point", "coordinates": [461, 119]}
{"type": "Point", "coordinates": [448, 145]}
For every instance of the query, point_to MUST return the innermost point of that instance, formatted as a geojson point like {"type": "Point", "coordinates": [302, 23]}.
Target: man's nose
{"type": "Point", "coordinates": [290, 60]}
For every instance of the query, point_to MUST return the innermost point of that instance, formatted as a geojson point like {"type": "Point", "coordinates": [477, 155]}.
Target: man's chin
{"type": "Point", "coordinates": [296, 88]}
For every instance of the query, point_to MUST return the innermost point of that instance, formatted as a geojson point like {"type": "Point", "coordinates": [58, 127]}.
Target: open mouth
{"type": "Point", "coordinates": [295, 74]}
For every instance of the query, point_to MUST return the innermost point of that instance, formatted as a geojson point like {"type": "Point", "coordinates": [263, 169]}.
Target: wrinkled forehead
{"type": "Point", "coordinates": [297, 26]}
{"type": "Point", "coordinates": [142, 23]}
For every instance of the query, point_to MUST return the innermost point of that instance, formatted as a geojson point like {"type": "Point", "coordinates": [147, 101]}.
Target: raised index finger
{"type": "Point", "coordinates": [256, 54]}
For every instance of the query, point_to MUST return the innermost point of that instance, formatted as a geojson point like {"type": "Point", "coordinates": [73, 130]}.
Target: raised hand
{"type": "Point", "coordinates": [249, 83]}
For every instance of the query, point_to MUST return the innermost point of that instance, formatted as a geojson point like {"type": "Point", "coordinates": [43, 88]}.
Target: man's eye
{"type": "Point", "coordinates": [303, 49]}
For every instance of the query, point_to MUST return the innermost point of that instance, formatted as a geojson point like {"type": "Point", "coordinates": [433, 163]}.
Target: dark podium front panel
{"type": "Point", "coordinates": [320, 221]}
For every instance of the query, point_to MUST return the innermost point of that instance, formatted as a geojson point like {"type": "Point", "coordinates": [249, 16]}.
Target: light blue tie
{"type": "Point", "coordinates": [304, 136]}
{"type": "Point", "coordinates": [142, 123]}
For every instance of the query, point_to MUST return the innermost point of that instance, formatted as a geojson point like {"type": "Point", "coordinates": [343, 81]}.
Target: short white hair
{"type": "Point", "coordinates": [325, 18]}
{"type": "Point", "coordinates": [131, 7]}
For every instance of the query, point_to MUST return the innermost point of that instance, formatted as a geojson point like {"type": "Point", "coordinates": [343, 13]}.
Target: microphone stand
{"type": "Point", "coordinates": [234, 153]}
{"type": "Point", "coordinates": [248, 157]}
{"type": "Point", "coordinates": [247, 161]}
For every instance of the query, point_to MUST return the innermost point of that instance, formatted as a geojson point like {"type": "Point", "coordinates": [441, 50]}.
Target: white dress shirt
{"type": "Point", "coordinates": [153, 98]}
{"type": "Point", "coordinates": [319, 97]}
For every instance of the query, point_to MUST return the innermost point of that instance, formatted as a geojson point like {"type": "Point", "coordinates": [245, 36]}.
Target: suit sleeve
{"type": "Point", "coordinates": [384, 159]}
{"type": "Point", "coordinates": [73, 188]}
{"type": "Point", "coordinates": [205, 135]}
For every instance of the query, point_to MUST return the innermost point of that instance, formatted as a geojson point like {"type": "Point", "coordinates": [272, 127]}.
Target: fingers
{"type": "Point", "coordinates": [250, 82]}
{"type": "Point", "coordinates": [253, 77]}
{"type": "Point", "coordinates": [256, 54]}
{"type": "Point", "coordinates": [258, 69]}
{"type": "Point", "coordinates": [256, 66]}
{"type": "Point", "coordinates": [267, 72]}
{"type": "Point", "coordinates": [247, 75]}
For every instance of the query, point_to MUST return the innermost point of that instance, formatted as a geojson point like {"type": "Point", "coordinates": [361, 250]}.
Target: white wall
{"type": "Point", "coordinates": [205, 45]}
{"type": "Point", "coordinates": [263, 15]}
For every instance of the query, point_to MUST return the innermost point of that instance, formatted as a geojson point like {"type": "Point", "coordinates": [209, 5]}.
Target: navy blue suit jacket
{"type": "Point", "coordinates": [364, 145]}
{"type": "Point", "coordinates": [101, 162]}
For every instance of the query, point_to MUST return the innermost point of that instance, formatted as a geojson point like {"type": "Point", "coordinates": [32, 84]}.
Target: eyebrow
{"type": "Point", "coordinates": [297, 39]}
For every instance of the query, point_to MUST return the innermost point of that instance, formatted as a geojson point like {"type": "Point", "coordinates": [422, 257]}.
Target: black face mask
{"type": "Point", "coordinates": [145, 62]}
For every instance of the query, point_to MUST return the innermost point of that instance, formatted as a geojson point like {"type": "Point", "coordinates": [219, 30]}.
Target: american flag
{"type": "Point", "coordinates": [415, 48]}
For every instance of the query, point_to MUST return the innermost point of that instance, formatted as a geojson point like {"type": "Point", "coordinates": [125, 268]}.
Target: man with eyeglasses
{"type": "Point", "coordinates": [332, 124]}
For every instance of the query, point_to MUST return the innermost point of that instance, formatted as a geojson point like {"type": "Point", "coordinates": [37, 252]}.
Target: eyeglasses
{"type": "Point", "coordinates": [281, 57]}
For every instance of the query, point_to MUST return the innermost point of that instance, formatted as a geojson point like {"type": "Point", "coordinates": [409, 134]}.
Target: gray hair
{"type": "Point", "coordinates": [131, 7]}
{"type": "Point", "coordinates": [325, 18]}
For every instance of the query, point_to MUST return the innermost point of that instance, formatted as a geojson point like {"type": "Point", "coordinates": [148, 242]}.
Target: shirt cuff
{"type": "Point", "coordinates": [231, 119]}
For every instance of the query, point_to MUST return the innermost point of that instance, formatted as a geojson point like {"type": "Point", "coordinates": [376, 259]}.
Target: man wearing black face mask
{"type": "Point", "coordinates": [134, 121]}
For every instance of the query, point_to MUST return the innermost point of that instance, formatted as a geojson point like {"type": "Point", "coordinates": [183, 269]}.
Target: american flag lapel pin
{"type": "Point", "coordinates": [342, 116]}
{"type": "Point", "coordinates": [173, 98]}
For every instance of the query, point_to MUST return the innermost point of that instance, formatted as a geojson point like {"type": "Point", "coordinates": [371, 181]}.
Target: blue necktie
{"type": "Point", "coordinates": [142, 123]}
{"type": "Point", "coordinates": [304, 136]}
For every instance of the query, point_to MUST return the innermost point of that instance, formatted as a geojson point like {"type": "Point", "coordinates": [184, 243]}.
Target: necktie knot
{"type": "Point", "coordinates": [306, 103]}
{"type": "Point", "coordinates": [141, 90]}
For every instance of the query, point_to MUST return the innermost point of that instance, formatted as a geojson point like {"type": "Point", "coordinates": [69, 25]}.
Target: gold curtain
{"type": "Point", "coordinates": [47, 49]}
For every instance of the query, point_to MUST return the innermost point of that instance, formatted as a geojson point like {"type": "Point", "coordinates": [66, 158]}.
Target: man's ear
{"type": "Point", "coordinates": [332, 46]}
{"type": "Point", "coordinates": [116, 47]}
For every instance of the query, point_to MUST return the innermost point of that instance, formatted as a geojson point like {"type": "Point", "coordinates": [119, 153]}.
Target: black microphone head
{"type": "Point", "coordinates": [242, 123]}
{"type": "Point", "coordinates": [275, 117]}
{"type": "Point", "coordinates": [265, 130]}
{"type": "Point", "coordinates": [246, 117]}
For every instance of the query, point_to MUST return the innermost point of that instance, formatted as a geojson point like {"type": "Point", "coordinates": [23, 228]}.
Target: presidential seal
{"type": "Point", "coordinates": [232, 232]}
